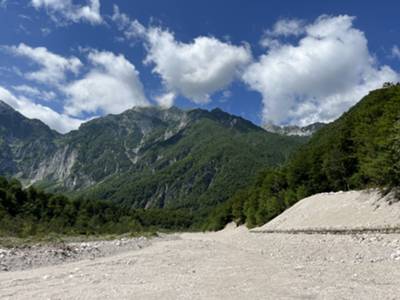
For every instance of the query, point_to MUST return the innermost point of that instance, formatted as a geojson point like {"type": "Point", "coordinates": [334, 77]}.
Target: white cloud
{"type": "Point", "coordinates": [28, 108]}
{"type": "Point", "coordinates": [287, 27]}
{"type": "Point", "coordinates": [166, 100]}
{"type": "Point", "coordinates": [282, 28]}
{"type": "Point", "coordinates": [131, 28]}
{"type": "Point", "coordinates": [112, 86]}
{"type": "Point", "coordinates": [396, 51]}
{"type": "Point", "coordinates": [269, 42]}
{"type": "Point", "coordinates": [194, 70]}
{"type": "Point", "coordinates": [197, 69]}
{"type": "Point", "coordinates": [53, 67]}
{"type": "Point", "coordinates": [34, 92]}
{"type": "Point", "coordinates": [66, 10]}
{"type": "Point", "coordinates": [122, 20]}
{"type": "Point", "coordinates": [319, 78]}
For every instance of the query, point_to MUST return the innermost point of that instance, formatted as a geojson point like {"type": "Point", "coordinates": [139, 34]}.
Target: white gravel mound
{"type": "Point", "coordinates": [353, 210]}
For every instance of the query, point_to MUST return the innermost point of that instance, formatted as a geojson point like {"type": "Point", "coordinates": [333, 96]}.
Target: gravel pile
{"type": "Point", "coordinates": [341, 212]}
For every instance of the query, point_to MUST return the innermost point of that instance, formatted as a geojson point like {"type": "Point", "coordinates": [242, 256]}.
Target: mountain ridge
{"type": "Point", "coordinates": [290, 130]}
{"type": "Point", "coordinates": [146, 157]}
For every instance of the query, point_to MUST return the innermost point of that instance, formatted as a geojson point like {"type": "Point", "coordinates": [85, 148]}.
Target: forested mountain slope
{"type": "Point", "coordinates": [143, 158]}
{"type": "Point", "coordinates": [359, 150]}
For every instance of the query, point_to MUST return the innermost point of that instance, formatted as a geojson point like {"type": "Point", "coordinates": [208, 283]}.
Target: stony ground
{"type": "Point", "coordinates": [231, 264]}
{"type": "Point", "coordinates": [39, 255]}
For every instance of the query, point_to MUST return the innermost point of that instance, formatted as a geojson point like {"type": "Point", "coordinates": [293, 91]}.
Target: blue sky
{"type": "Point", "coordinates": [286, 62]}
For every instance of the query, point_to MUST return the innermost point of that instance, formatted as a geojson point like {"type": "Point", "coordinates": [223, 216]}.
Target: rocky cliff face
{"type": "Point", "coordinates": [144, 157]}
{"type": "Point", "coordinates": [292, 130]}
{"type": "Point", "coordinates": [24, 143]}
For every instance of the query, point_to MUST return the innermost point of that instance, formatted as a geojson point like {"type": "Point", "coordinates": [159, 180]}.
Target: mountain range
{"type": "Point", "coordinates": [144, 157]}
{"type": "Point", "coordinates": [175, 169]}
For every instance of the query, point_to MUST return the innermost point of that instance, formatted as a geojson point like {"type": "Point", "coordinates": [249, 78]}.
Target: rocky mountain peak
{"type": "Point", "coordinates": [294, 130]}
{"type": "Point", "coordinates": [143, 157]}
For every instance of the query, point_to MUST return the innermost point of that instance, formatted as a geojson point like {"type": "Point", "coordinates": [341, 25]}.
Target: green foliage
{"type": "Point", "coordinates": [198, 168]}
{"type": "Point", "coordinates": [30, 212]}
{"type": "Point", "coordinates": [144, 157]}
{"type": "Point", "coordinates": [359, 150]}
{"type": "Point", "coordinates": [179, 165]}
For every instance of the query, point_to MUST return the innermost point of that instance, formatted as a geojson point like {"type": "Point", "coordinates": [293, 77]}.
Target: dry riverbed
{"type": "Point", "coordinates": [230, 264]}
{"type": "Point", "coordinates": [30, 255]}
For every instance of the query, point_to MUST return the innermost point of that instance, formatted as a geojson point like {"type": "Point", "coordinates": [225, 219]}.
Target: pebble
{"type": "Point", "coordinates": [298, 268]}
{"type": "Point", "coordinates": [395, 255]}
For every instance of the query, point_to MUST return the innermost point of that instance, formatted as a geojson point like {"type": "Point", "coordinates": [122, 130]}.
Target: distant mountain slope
{"type": "Point", "coordinates": [144, 157]}
{"type": "Point", "coordinates": [359, 150]}
{"type": "Point", "coordinates": [24, 143]}
{"type": "Point", "coordinates": [308, 130]}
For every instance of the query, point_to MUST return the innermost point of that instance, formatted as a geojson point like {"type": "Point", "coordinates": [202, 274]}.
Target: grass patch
{"type": "Point", "coordinates": [57, 239]}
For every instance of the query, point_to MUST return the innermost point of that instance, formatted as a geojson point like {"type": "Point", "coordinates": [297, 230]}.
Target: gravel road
{"type": "Point", "coordinates": [230, 264]}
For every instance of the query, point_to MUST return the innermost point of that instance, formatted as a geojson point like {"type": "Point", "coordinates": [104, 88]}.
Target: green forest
{"type": "Point", "coordinates": [31, 212]}
{"type": "Point", "coordinates": [174, 183]}
{"type": "Point", "coordinates": [359, 150]}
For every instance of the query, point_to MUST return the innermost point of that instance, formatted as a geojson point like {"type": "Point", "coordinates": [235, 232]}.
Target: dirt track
{"type": "Point", "coordinates": [232, 264]}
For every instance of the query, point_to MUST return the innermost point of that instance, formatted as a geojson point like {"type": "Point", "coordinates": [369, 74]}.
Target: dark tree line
{"type": "Point", "coordinates": [28, 212]}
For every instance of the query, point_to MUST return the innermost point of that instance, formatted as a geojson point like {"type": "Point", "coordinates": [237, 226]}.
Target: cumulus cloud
{"type": "Point", "coordinates": [318, 78]}
{"type": "Point", "coordinates": [111, 86]}
{"type": "Point", "coordinates": [66, 10]}
{"type": "Point", "coordinates": [197, 69]}
{"type": "Point", "coordinates": [194, 70]}
{"type": "Point", "coordinates": [60, 122]}
{"type": "Point", "coordinates": [53, 67]}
